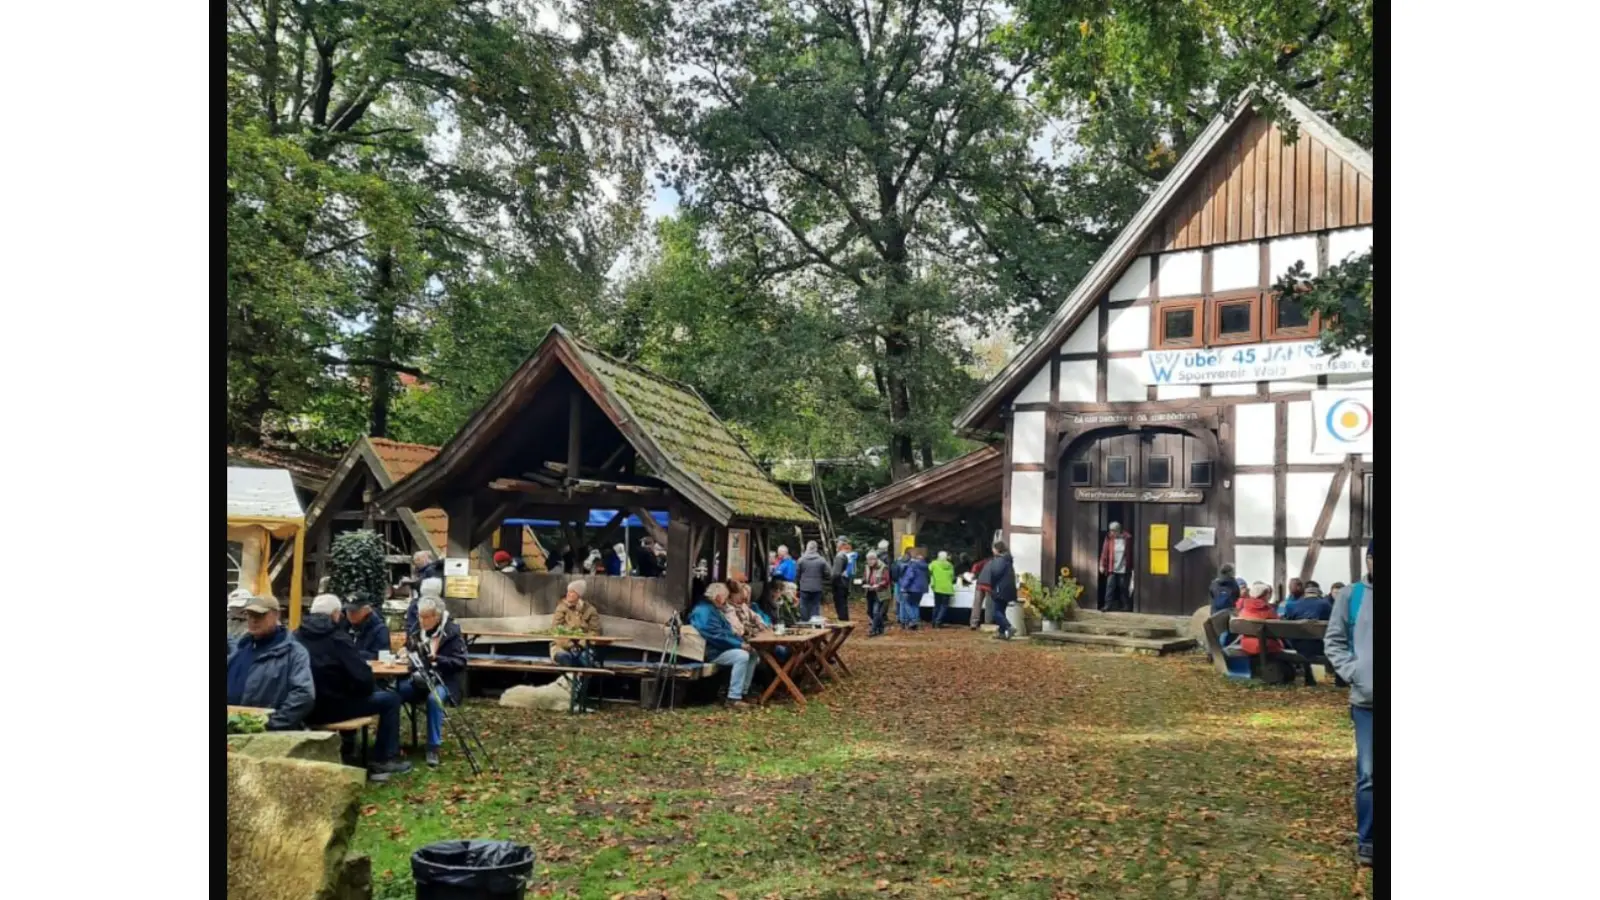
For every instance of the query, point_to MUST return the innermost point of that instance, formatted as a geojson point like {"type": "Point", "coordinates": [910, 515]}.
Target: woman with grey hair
{"type": "Point", "coordinates": [723, 646]}
{"type": "Point", "coordinates": [448, 650]}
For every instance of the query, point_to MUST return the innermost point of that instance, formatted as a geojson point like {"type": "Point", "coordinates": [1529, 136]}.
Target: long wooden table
{"type": "Point", "coordinates": [837, 633]}
{"type": "Point", "coordinates": [805, 649]}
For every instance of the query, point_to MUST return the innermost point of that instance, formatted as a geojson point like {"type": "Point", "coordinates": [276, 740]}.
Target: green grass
{"type": "Point", "coordinates": [950, 765]}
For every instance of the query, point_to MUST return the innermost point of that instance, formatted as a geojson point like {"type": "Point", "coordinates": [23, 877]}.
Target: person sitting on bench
{"type": "Point", "coordinates": [268, 668]}
{"type": "Point", "coordinates": [367, 629]}
{"type": "Point", "coordinates": [1257, 604]}
{"type": "Point", "coordinates": [345, 687]}
{"type": "Point", "coordinates": [1312, 607]}
{"type": "Point", "coordinates": [723, 647]}
{"type": "Point", "coordinates": [449, 652]}
{"type": "Point", "coordinates": [573, 614]}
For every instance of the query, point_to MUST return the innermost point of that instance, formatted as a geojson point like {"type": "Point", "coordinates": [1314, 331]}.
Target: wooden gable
{"type": "Point", "coordinates": [1255, 185]}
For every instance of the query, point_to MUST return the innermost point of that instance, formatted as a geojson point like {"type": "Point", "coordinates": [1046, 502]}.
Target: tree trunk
{"type": "Point", "coordinates": [927, 454]}
{"type": "Point", "coordinates": [383, 327]}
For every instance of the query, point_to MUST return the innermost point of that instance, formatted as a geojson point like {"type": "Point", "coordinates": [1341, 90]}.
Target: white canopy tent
{"type": "Point", "coordinates": [262, 506]}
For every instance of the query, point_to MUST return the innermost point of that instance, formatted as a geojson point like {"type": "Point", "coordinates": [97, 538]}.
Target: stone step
{"type": "Point", "coordinates": [1119, 643]}
{"type": "Point", "coordinates": [1119, 628]}
{"type": "Point", "coordinates": [1137, 620]}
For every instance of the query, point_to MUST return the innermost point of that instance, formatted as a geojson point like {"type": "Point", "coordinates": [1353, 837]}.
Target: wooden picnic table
{"type": "Point", "coordinates": [837, 633]}
{"type": "Point", "coordinates": [805, 647]}
{"type": "Point", "coordinates": [382, 669]}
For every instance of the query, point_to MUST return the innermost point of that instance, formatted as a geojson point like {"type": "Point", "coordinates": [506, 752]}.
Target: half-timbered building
{"type": "Point", "coordinates": [1172, 392]}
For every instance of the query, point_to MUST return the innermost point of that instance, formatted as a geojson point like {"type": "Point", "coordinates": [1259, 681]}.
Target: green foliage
{"type": "Point", "coordinates": [246, 723]}
{"type": "Point", "coordinates": [358, 573]}
{"type": "Point", "coordinates": [1342, 296]}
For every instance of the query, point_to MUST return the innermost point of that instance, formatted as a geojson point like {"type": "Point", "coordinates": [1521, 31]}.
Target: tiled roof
{"type": "Point", "coordinates": [401, 459]}
{"type": "Point", "coordinates": [694, 439]}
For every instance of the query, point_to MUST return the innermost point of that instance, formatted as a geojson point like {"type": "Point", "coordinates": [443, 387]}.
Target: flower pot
{"type": "Point", "coordinates": [1048, 627]}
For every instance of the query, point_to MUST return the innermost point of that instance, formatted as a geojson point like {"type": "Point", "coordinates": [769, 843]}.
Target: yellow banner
{"type": "Point", "coordinates": [1160, 564]}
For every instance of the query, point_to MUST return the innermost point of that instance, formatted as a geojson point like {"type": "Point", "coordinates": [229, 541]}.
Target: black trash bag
{"type": "Point", "coordinates": [472, 870]}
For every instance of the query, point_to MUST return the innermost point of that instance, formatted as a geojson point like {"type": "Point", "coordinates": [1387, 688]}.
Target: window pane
{"type": "Point", "coordinates": [1291, 315]}
{"type": "Point", "coordinates": [1233, 318]}
{"type": "Point", "coordinates": [1158, 471]}
{"type": "Point", "coordinates": [1178, 324]}
{"type": "Point", "coordinates": [1117, 471]}
{"type": "Point", "coordinates": [1081, 472]}
{"type": "Point", "coordinates": [1199, 474]}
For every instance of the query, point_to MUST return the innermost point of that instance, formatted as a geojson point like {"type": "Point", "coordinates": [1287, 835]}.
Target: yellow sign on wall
{"type": "Point", "coordinates": [1160, 564]}
{"type": "Point", "coordinates": [461, 587]}
{"type": "Point", "coordinates": [907, 541]}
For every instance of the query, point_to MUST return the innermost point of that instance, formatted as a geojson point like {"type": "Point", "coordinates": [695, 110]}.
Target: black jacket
{"type": "Point", "coordinates": [1001, 577]}
{"type": "Point", "coordinates": [452, 659]}
{"type": "Point", "coordinates": [372, 636]}
{"type": "Point", "coordinates": [1224, 593]}
{"type": "Point", "coordinates": [342, 678]}
{"type": "Point", "coordinates": [645, 563]}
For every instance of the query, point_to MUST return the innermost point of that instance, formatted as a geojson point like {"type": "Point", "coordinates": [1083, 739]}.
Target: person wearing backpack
{"type": "Point", "coordinates": [1348, 645]}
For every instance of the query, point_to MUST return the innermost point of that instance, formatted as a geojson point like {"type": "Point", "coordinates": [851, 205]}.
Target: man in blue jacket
{"type": "Point", "coordinates": [783, 569]}
{"type": "Point", "coordinates": [367, 629]}
{"type": "Point", "coordinates": [1348, 644]}
{"type": "Point", "coordinates": [269, 669]}
{"type": "Point", "coordinates": [723, 647]}
{"type": "Point", "coordinates": [913, 584]}
{"type": "Point", "coordinates": [999, 580]}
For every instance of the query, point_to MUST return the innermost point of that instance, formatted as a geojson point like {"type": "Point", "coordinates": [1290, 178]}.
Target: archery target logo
{"type": "Point", "coordinates": [1348, 420]}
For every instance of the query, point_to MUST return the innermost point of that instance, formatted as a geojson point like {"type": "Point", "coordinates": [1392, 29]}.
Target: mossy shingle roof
{"type": "Point", "coordinates": [694, 439]}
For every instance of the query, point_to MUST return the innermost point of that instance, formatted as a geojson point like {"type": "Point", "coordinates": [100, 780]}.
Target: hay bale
{"type": "Point", "coordinates": [289, 826]}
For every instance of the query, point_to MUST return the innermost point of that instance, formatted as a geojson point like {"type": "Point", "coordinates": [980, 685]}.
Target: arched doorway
{"type": "Point", "coordinates": [1140, 478]}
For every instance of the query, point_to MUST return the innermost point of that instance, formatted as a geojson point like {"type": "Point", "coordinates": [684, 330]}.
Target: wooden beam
{"type": "Point", "coordinates": [611, 528]}
{"type": "Point", "coordinates": [1320, 532]}
{"type": "Point", "coordinates": [490, 522]}
{"type": "Point", "coordinates": [458, 537]}
{"type": "Point", "coordinates": [574, 433]}
{"type": "Point", "coordinates": [680, 569]}
{"type": "Point", "coordinates": [655, 531]}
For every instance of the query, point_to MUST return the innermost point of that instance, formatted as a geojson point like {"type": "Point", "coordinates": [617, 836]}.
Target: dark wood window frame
{"type": "Point", "coordinates": [1151, 482]}
{"type": "Point", "coordinates": [1072, 472]}
{"type": "Point", "coordinates": [1366, 500]}
{"type": "Point", "coordinates": [1211, 473]}
{"type": "Point", "coordinates": [1269, 325]}
{"type": "Point", "coordinates": [1127, 472]}
{"type": "Point", "coordinates": [1214, 318]}
{"type": "Point", "coordinates": [1159, 338]}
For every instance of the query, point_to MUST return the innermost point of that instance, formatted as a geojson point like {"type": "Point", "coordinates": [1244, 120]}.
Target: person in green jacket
{"type": "Point", "coordinates": [942, 580]}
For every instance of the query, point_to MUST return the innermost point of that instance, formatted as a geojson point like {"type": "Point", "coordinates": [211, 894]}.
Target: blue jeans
{"type": "Point", "coordinates": [386, 706]}
{"type": "Point", "coordinates": [810, 605]}
{"type": "Point", "coordinates": [997, 612]}
{"type": "Point", "coordinates": [409, 693]}
{"type": "Point", "coordinates": [744, 669]}
{"type": "Point", "coordinates": [1363, 722]}
{"type": "Point", "coordinates": [909, 613]}
{"type": "Point", "coordinates": [875, 608]}
{"type": "Point", "coordinates": [940, 603]}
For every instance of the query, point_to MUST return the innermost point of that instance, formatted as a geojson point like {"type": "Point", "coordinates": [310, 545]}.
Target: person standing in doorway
{"type": "Point", "coordinates": [999, 580]}
{"type": "Point", "coordinates": [1116, 563]}
{"type": "Point", "coordinates": [1348, 645]}
{"type": "Point", "coordinates": [942, 579]}
{"type": "Point", "coordinates": [841, 580]}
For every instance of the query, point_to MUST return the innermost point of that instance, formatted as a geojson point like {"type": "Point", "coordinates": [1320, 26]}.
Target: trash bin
{"type": "Point", "coordinates": [472, 870]}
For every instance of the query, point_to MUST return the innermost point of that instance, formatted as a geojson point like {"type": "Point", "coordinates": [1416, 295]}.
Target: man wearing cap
{"type": "Point", "coordinates": [269, 669]}
{"type": "Point", "coordinates": [1116, 563]}
{"type": "Point", "coordinates": [345, 686]}
{"type": "Point", "coordinates": [1348, 645]}
{"type": "Point", "coordinates": [367, 630]}
{"type": "Point", "coordinates": [236, 618]}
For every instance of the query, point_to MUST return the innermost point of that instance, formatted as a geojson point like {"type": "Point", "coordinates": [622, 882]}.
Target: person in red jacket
{"type": "Point", "coordinates": [1257, 604]}
{"type": "Point", "coordinates": [1116, 564]}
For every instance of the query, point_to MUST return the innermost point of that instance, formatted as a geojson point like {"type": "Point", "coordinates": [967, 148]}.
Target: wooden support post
{"type": "Point", "coordinates": [459, 533]}
{"type": "Point", "coordinates": [603, 538]}
{"type": "Point", "coordinates": [295, 576]}
{"type": "Point", "coordinates": [680, 568]}
{"type": "Point", "coordinates": [511, 539]}
{"type": "Point", "coordinates": [574, 433]}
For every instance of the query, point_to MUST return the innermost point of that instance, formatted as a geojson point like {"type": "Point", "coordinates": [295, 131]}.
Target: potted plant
{"type": "Point", "coordinates": [1055, 604]}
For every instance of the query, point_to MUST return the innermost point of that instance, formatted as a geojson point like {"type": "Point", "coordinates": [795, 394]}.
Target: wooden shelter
{"type": "Point", "coordinates": [262, 507]}
{"type": "Point", "coordinates": [573, 430]}
{"type": "Point", "coordinates": [969, 485]}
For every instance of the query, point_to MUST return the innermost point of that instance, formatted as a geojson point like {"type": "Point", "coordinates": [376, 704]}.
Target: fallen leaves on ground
{"type": "Point", "coordinates": [950, 765]}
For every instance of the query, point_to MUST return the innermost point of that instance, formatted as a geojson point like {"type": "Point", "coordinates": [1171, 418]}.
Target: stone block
{"type": "Point", "coordinates": [319, 746]}
{"type": "Point", "coordinates": [289, 826]}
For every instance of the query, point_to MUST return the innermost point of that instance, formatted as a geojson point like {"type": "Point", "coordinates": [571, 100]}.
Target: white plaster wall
{"type": "Point", "coordinates": [1027, 499]}
{"type": "Point", "coordinates": [1135, 281]}
{"type": "Point", "coordinates": [1077, 381]}
{"type": "Point", "coordinates": [1339, 526]}
{"type": "Point", "coordinates": [1346, 242]}
{"type": "Point", "coordinates": [1350, 381]}
{"type": "Point", "coordinates": [1304, 493]}
{"type": "Point", "coordinates": [1301, 435]}
{"type": "Point", "coordinates": [1254, 563]}
{"type": "Point", "coordinates": [1025, 553]}
{"type": "Point", "coordinates": [1128, 329]}
{"type": "Point", "coordinates": [1177, 391]}
{"type": "Point", "coordinates": [1038, 389]}
{"type": "Point", "coordinates": [1235, 266]}
{"type": "Point", "coordinates": [1333, 565]}
{"type": "Point", "coordinates": [1255, 435]}
{"type": "Point", "coordinates": [1125, 380]}
{"type": "Point", "coordinates": [1027, 437]}
{"type": "Point", "coordinates": [1243, 389]}
{"type": "Point", "coordinates": [1086, 339]}
{"type": "Point", "coordinates": [1285, 252]}
{"type": "Point", "coordinates": [1252, 505]}
{"type": "Point", "coordinates": [1180, 273]}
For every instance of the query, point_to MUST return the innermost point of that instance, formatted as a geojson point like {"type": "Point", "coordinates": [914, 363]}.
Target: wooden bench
{"type": "Point", "coordinates": [358, 725]}
{"type": "Point", "coordinates": [1278, 667]}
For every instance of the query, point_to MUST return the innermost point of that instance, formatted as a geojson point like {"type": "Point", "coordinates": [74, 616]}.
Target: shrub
{"type": "Point", "coordinates": [359, 573]}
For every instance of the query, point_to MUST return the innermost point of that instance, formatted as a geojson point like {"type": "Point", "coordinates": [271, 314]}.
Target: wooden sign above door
{"type": "Point", "coordinates": [1138, 495]}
